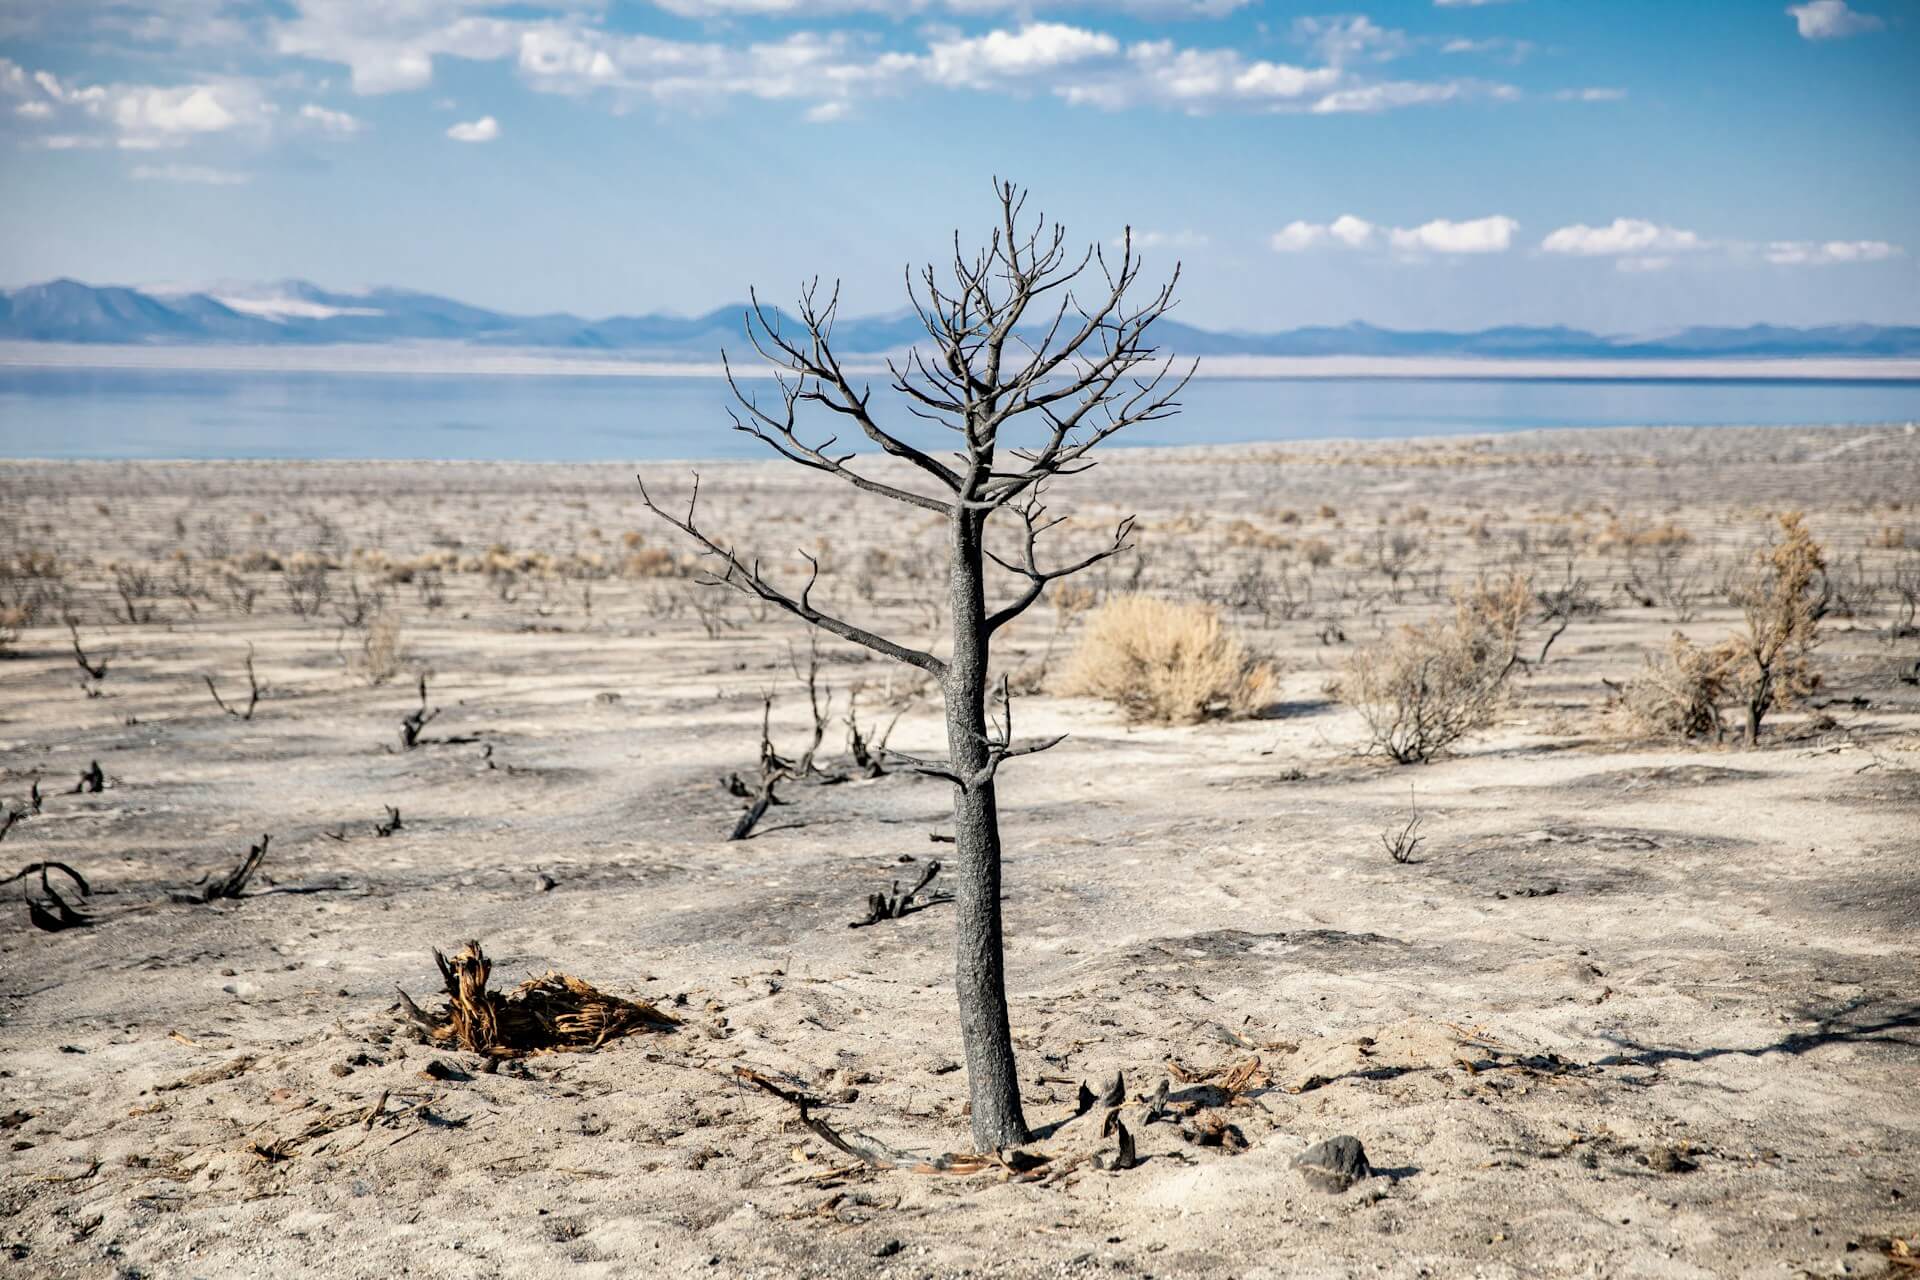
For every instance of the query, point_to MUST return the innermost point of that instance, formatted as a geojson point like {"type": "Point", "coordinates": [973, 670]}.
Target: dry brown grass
{"type": "Point", "coordinates": [1166, 662]}
{"type": "Point", "coordinates": [382, 650]}
{"type": "Point", "coordinates": [1426, 686]}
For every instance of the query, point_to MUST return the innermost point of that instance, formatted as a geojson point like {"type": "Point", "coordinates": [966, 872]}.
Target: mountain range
{"type": "Point", "coordinates": [295, 312]}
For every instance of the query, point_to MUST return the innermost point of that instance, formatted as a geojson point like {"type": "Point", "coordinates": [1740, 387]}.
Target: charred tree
{"type": "Point", "coordinates": [1034, 356]}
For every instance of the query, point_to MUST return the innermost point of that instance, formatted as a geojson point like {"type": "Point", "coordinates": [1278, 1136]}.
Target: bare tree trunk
{"type": "Point", "coordinates": [979, 975]}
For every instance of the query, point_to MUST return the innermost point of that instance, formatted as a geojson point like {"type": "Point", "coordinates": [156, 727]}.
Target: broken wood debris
{"type": "Point", "coordinates": [881, 906]}
{"type": "Point", "coordinates": [49, 911]}
{"type": "Point", "coordinates": [553, 1013]}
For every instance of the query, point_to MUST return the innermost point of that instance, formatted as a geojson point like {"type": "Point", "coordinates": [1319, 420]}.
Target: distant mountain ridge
{"type": "Point", "coordinates": [295, 312]}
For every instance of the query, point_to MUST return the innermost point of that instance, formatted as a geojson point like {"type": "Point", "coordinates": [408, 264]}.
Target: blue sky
{"type": "Point", "coordinates": [1614, 164]}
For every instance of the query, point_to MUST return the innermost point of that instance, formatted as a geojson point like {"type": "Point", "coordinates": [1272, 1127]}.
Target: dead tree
{"type": "Point", "coordinates": [1029, 377]}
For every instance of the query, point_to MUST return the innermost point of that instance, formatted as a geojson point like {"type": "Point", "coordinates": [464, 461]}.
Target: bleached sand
{"type": "Point", "coordinates": [1637, 1009]}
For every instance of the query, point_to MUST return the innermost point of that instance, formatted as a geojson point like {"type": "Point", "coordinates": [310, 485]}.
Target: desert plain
{"type": "Point", "coordinates": [1633, 1007]}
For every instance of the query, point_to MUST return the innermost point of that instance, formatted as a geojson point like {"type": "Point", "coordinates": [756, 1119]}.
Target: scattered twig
{"type": "Point", "coordinates": [230, 885]}
{"type": "Point", "coordinates": [392, 823]}
{"type": "Point", "coordinates": [94, 670]}
{"type": "Point", "coordinates": [415, 721]}
{"type": "Point", "coordinates": [1401, 846]}
{"type": "Point", "coordinates": [881, 906]}
{"type": "Point", "coordinates": [253, 692]}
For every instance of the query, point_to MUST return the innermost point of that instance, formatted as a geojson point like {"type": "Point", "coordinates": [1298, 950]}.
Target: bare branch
{"type": "Point", "coordinates": [748, 579]}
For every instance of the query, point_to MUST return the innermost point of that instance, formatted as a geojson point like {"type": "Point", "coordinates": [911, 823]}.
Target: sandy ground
{"type": "Point", "coordinates": [1636, 1009]}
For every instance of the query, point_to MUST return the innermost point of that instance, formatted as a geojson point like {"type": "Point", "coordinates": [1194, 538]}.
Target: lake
{"type": "Point", "coordinates": [147, 413]}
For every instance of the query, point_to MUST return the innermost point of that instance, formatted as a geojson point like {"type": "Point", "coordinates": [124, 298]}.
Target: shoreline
{"type": "Point", "coordinates": [1859, 434]}
{"type": "Point", "coordinates": [430, 360]}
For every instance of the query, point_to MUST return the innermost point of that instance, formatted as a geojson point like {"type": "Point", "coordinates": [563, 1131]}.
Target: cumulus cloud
{"type": "Point", "coordinates": [140, 117]}
{"type": "Point", "coordinates": [190, 173]}
{"type": "Point", "coordinates": [1589, 95]}
{"type": "Point", "coordinates": [561, 46]}
{"type": "Point", "coordinates": [1819, 253]}
{"type": "Point", "coordinates": [1493, 234]}
{"type": "Point", "coordinates": [979, 62]}
{"type": "Point", "coordinates": [1831, 20]}
{"type": "Point", "coordinates": [1621, 236]}
{"type": "Point", "coordinates": [1479, 235]}
{"type": "Point", "coordinates": [485, 129]}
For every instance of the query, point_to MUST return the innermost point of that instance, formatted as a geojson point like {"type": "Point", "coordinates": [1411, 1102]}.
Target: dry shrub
{"type": "Point", "coordinates": [1165, 662]}
{"type": "Point", "coordinates": [382, 650]}
{"type": "Point", "coordinates": [1784, 592]}
{"type": "Point", "coordinates": [1678, 693]}
{"type": "Point", "coordinates": [550, 1014]}
{"type": "Point", "coordinates": [1426, 686]}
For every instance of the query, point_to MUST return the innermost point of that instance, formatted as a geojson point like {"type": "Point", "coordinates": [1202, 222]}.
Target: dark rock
{"type": "Point", "coordinates": [888, 1249]}
{"type": "Point", "coordinates": [1334, 1165]}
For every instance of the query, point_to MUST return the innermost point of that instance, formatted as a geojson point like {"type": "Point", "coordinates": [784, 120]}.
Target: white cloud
{"type": "Point", "coordinates": [395, 46]}
{"type": "Point", "coordinates": [1492, 234]}
{"type": "Point", "coordinates": [1164, 240]}
{"type": "Point", "coordinates": [1589, 95]}
{"type": "Point", "coordinates": [192, 173]}
{"type": "Point", "coordinates": [1410, 93]}
{"type": "Point", "coordinates": [1479, 235]}
{"type": "Point", "coordinates": [978, 62]}
{"type": "Point", "coordinates": [1297, 237]}
{"type": "Point", "coordinates": [1355, 233]}
{"type": "Point", "coordinates": [337, 123]}
{"type": "Point", "coordinates": [899, 8]}
{"type": "Point", "coordinates": [1831, 20]}
{"type": "Point", "coordinates": [1350, 39]}
{"type": "Point", "coordinates": [485, 129]}
{"type": "Point", "coordinates": [391, 47]}
{"type": "Point", "coordinates": [1815, 253]}
{"type": "Point", "coordinates": [1621, 236]}
{"type": "Point", "coordinates": [138, 117]}
{"type": "Point", "coordinates": [828, 112]}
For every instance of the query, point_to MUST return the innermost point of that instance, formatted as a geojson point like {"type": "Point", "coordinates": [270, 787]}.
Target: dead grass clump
{"type": "Point", "coordinates": [551, 1014]}
{"type": "Point", "coordinates": [1678, 693]}
{"type": "Point", "coordinates": [1165, 662]}
{"type": "Point", "coordinates": [382, 650]}
{"type": "Point", "coordinates": [1425, 687]}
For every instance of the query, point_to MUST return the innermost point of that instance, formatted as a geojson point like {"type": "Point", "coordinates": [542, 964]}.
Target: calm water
{"type": "Point", "coordinates": [64, 413]}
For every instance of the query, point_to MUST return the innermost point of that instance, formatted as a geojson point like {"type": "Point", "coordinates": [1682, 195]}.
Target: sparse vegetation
{"type": "Point", "coordinates": [1783, 593]}
{"type": "Point", "coordinates": [1427, 685]}
{"type": "Point", "coordinates": [1165, 662]}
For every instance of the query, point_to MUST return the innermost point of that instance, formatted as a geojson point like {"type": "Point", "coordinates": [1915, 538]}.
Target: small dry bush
{"type": "Point", "coordinates": [1165, 662]}
{"type": "Point", "coordinates": [382, 650]}
{"type": "Point", "coordinates": [1783, 593]}
{"type": "Point", "coordinates": [1678, 693]}
{"type": "Point", "coordinates": [1426, 686]}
